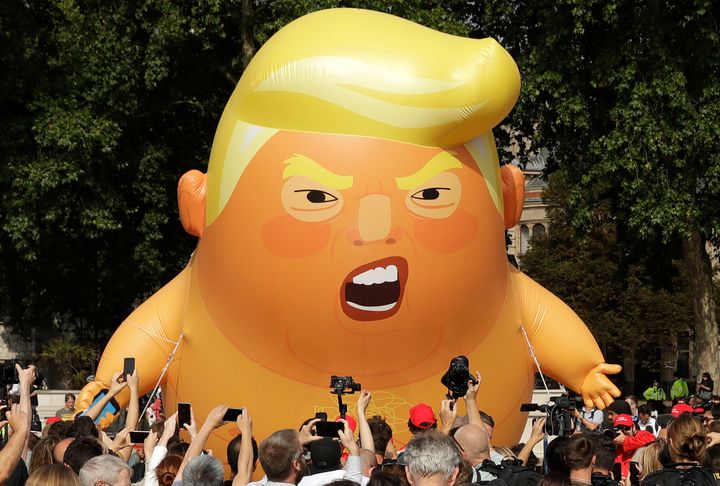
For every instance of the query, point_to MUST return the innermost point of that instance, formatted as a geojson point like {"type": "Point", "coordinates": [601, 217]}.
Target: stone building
{"type": "Point", "coordinates": [534, 220]}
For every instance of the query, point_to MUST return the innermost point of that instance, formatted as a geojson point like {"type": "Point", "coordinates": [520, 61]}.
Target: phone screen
{"type": "Point", "coordinates": [184, 416]}
{"type": "Point", "coordinates": [634, 473]}
{"type": "Point", "coordinates": [128, 367]}
{"type": "Point", "coordinates": [617, 471]}
{"type": "Point", "coordinates": [328, 429]}
{"type": "Point", "coordinates": [138, 436]}
{"type": "Point", "coordinates": [232, 414]}
{"type": "Point", "coordinates": [321, 415]}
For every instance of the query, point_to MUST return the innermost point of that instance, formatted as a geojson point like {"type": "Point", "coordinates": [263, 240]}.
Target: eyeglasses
{"type": "Point", "coordinates": [623, 428]}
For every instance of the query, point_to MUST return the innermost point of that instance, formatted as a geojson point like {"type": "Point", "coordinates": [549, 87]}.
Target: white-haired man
{"type": "Point", "coordinates": [432, 459]}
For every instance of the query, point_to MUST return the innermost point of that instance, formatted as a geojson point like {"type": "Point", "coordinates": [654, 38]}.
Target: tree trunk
{"type": "Point", "coordinates": [629, 370]}
{"type": "Point", "coordinates": [699, 272]}
{"type": "Point", "coordinates": [248, 38]}
{"type": "Point", "coordinates": [669, 361]}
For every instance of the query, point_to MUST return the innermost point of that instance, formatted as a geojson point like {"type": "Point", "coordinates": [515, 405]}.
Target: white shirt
{"type": "Point", "coordinates": [352, 471]}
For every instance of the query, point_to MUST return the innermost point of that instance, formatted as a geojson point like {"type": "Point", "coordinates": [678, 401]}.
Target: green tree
{"type": "Point", "coordinates": [632, 296]}
{"type": "Point", "coordinates": [626, 96]}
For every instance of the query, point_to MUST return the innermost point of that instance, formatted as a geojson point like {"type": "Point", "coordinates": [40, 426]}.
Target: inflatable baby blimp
{"type": "Point", "coordinates": [351, 222]}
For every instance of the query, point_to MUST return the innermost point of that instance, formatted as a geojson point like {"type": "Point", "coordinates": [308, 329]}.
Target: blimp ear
{"type": "Point", "coordinates": [513, 194]}
{"type": "Point", "coordinates": [191, 201]}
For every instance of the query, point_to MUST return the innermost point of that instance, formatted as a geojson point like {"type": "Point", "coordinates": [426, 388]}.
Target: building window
{"type": "Point", "coordinates": [524, 239]}
{"type": "Point", "coordinates": [538, 230]}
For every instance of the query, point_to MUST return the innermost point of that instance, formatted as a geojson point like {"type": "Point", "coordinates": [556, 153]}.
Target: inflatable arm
{"type": "Point", "coordinates": [564, 346]}
{"type": "Point", "coordinates": [149, 335]}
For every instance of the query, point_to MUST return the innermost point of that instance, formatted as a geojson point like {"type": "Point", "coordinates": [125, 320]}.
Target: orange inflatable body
{"type": "Point", "coordinates": [352, 223]}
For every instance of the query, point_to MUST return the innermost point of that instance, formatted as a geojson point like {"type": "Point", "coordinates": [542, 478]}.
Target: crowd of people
{"type": "Point", "coordinates": [629, 443]}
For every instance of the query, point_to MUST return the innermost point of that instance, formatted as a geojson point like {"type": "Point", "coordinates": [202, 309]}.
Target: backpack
{"type": "Point", "coordinates": [510, 472]}
{"type": "Point", "coordinates": [672, 476]}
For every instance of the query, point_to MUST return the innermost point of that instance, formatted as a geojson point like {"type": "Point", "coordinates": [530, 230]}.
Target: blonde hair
{"type": "Point", "coordinates": [364, 73]}
{"type": "Point", "coordinates": [651, 458]}
{"type": "Point", "coordinates": [53, 475]}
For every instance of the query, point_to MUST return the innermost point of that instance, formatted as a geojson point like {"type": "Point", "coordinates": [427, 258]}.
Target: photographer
{"type": "Point", "coordinates": [587, 420]}
{"type": "Point", "coordinates": [627, 440]}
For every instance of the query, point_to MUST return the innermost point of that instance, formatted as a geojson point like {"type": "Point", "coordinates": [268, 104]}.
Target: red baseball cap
{"type": "Point", "coordinates": [623, 420]}
{"type": "Point", "coordinates": [681, 408]}
{"type": "Point", "coordinates": [422, 416]}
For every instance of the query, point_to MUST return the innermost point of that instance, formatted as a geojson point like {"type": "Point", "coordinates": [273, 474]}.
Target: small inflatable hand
{"type": "Point", "coordinates": [597, 390]}
{"type": "Point", "coordinates": [91, 392]}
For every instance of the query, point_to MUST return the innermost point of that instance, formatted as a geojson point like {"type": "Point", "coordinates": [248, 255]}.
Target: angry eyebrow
{"type": "Point", "coordinates": [305, 166]}
{"type": "Point", "coordinates": [440, 163]}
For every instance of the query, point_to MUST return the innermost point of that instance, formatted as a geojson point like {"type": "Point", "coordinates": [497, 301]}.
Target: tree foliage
{"type": "Point", "coordinates": [625, 95]}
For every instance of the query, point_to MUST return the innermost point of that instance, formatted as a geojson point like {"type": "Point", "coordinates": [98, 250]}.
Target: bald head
{"type": "Point", "coordinates": [368, 462]}
{"type": "Point", "coordinates": [59, 450]}
{"type": "Point", "coordinates": [475, 443]}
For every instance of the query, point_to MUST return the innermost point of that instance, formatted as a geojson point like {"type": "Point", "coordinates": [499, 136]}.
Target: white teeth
{"type": "Point", "coordinates": [377, 275]}
{"type": "Point", "coordinates": [373, 308]}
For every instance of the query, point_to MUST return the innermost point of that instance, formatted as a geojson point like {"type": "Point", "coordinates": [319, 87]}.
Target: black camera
{"type": "Point", "coordinates": [457, 376]}
{"type": "Point", "coordinates": [559, 421]}
{"type": "Point", "coordinates": [343, 385]}
{"type": "Point", "coordinates": [8, 374]}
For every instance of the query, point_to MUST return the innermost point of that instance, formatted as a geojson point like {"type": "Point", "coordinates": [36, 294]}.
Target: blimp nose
{"type": "Point", "coordinates": [374, 219]}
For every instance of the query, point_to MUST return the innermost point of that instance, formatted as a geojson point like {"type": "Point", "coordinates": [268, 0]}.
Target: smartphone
{"type": "Point", "coordinates": [138, 436]}
{"type": "Point", "coordinates": [3, 413]}
{"type": "Point", "coordinates": [634, 473]}
{"type": "Point", "coordinates": [184, 416]}
{"type": "Point", "coordinates": [232, 414]}
{"type": "Point", "coordinates": [328, 429]}
{"type": "Point", "coordinates": [617, 471]}
{"type": "Point", "coordinates": [321, 415]}
{"type": "Point", "coordinates": [128, 367]}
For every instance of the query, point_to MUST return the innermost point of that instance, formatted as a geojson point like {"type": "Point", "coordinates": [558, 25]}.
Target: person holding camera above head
{"type": "Point", "coordinates": [628, 439]}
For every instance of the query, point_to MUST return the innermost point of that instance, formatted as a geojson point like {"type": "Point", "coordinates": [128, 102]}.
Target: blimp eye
{"type": "Point", "coordinates": [316, 196]}
{"type": "Point", "coordinates": [429, 194]}
{"type": "Point", "coordinates": [438, 198]}
{"type": "Point", "coordinates": [309, 201]}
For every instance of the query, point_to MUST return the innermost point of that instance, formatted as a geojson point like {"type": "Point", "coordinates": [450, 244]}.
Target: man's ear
{"type": "Point", "coordinates": [513, 182]}
{"type": "Point", "coordinates": [191, 201]}
{"type": "Point", "coordinates": [454, 476]}
{"type": "Point", "coordinates": [409, 476]}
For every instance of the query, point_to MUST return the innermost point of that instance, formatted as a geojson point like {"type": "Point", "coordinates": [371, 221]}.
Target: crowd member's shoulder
{"type": "Point", "coordinates": [681, 474]}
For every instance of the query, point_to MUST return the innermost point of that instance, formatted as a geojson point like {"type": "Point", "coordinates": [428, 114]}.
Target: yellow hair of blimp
{"type": "Point", "coordinates": [363, 73]}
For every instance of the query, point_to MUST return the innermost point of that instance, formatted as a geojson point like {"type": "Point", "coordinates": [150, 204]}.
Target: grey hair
{"type": "Point", "coordinates": [203, 470]}
{"type": "Point", "coordinates": [432, 453]}
{"type": "Point", "coordinates": [104, 468]}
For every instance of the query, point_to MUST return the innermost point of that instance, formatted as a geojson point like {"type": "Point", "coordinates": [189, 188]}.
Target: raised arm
{"type": "Point", "coordinates": [214, 420]}
{"type": "Point", "coordinates": [133, 413]}
{"type": "Point", "coordinates": [471, 407]}
{"type": "Point", "coordinates": [115, 388]}
{"type": "Point", "coordinates": [245, 457]}
{"type": "Point", "coordinates": [564, 346]}
{"type": "Point", "coordinates": [10, 454]}
{"type": "Point", "coordinates": [366, 438]}
{"type": "Point", "coordinates": [26, 377]}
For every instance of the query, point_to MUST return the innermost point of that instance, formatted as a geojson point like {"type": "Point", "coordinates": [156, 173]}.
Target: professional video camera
{"type": "Point", "coordinates": [457, 376]}
{"type": "Point", "coordinates": [558, 419]}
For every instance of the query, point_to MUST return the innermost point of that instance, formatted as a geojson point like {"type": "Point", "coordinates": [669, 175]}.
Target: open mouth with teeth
{"type": "Point", "coordinates": [375, 290]}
